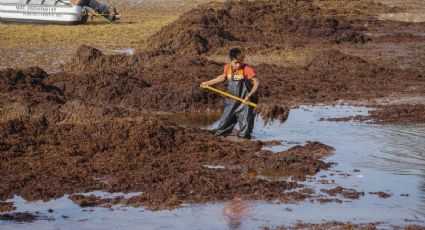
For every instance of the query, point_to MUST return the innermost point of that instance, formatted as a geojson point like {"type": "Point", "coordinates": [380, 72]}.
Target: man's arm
{"type": "Point", "coordinates": [255, 84]}
{"type": "Point", "coordinates": [214, 81]}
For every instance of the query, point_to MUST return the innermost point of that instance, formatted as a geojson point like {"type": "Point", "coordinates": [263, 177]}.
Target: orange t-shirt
{"type": "Point", "coordinates": [244, 71]}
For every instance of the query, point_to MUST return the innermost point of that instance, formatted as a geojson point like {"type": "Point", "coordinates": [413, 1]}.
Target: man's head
{"type": "Point", "coordinates": [236, 57]}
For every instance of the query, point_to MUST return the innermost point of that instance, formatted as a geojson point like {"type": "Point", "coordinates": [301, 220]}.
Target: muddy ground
{"type": "Point", "coordinates": [94, 125]}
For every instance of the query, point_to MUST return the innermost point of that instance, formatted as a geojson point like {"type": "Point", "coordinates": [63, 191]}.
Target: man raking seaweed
{"type": "Point", "coordinates": [242, 86]}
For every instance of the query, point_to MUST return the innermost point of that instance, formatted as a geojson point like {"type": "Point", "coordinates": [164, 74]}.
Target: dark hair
{"type": "Point", "coordinates": [234, 53]}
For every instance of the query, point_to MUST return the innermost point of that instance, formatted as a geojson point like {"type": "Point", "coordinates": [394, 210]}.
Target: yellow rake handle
{"type": "Point", "coordinates": [230, 95]}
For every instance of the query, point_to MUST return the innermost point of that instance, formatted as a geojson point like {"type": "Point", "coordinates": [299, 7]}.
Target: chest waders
{"type": "Point", "coordinates": [235, 111]}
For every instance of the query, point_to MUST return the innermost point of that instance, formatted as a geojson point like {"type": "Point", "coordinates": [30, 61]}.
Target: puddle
{"type": "Point", "coordinates": [129, 51]}
{"type": "Point", "coordinates": [107, 195]}
{"type": "Point", "coordinates": [214, 167]}
{"type": "Point", "coordinates": [405, 17]}
{"type": "Point", "coordinates": [370, 158]}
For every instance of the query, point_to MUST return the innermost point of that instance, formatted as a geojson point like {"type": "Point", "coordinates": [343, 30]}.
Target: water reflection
{"type": "Point", "coordinates": [235, 212]}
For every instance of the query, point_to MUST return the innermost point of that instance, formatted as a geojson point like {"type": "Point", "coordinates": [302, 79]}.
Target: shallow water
{"type": "Point", "coordinates": [390, 158]}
